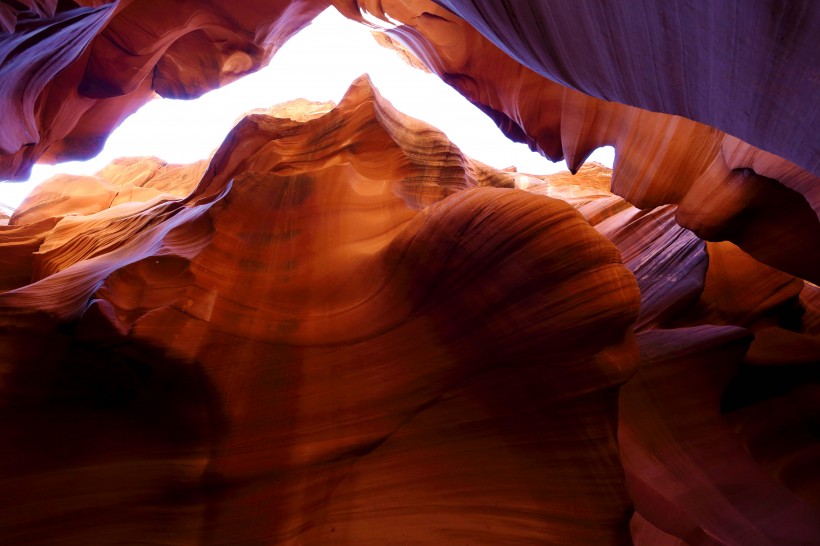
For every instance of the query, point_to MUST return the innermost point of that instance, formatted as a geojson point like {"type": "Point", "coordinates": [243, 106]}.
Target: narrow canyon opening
{"type": "Point", "coordinates": [317, 64]}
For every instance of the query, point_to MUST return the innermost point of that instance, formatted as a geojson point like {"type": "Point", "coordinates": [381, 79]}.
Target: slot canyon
{"type": "Point", "coordinates": [341, 330]}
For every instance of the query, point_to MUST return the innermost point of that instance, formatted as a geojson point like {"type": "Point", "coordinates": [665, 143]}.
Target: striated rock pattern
{"type": "Point", "coordinates": [123, 181]}
{"type": "Point", "coordinates": [725, 187]}
{"type": "Point", "coordinates": [70, 72]}
{"type": "Point", "coordinates": [327, 343]}
{"type": "Point", "coordinates": [728, 185]}
{"type": "Point", "coordinates": [341, 330]}
{"type": "Point", "coordinates": [689, 473]}
{"type": "Point", "coordinates": [745, 68]}
{"type": "Point", "coordinates": [669, 262]}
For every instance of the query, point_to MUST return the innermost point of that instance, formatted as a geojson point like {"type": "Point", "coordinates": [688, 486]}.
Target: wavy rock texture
{"type": "Point", "coordinates": [677, 446]}
{"type": "Point", "coordinates": [725, 187]}
{"type": "Point", "coordinates": [70, 72]}
{"type": "Point", "coordinates": [62, 105]}
{"type": "Point", "coordinates": [340, 330]}
{"type": "Point", "coordinates": [669, 262]}
{"type": "Point", "coordinates": [744, 68]}
{"type": "Point", "coordinates": [716, 424]}
{"type": "Point", "coordinates": [342, 335]}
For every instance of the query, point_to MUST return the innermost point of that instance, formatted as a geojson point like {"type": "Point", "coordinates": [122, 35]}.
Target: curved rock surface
{"type": "Point", "coordinates": [343, 331]}
{"type": "Point", "coordinates": [721, 65]}
{"type": "Point", "coordinates": [70, 72]}
{"type": "Point", "coordinates": [340, 330]}
{"type": "Point", "coordinates": [725, 187]}
{"type": "Point", "coordinates": [677, 446]}
{"type": "Point", "coordinates": [338, 343]}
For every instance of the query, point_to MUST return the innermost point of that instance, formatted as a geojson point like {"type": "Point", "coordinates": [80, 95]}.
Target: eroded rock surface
{"type": "Point", "coordinates": [720, 65]}
{"type": "Point", "coordinates": [341, 330]}
{"type": "Point", "coordinates": [753, 184]}
{"type": "Point", "coordinates": [725, 188]}
{"type": "Point", "coordinates": [337, 344]}
{"type": "Point", "coordinates": [70, 72]}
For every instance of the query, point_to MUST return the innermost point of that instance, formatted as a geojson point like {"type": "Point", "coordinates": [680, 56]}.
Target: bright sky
{"type": "Point", "coordinates": [318, 64]}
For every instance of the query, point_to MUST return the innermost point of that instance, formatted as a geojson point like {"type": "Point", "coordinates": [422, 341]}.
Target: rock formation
{"type": "Point", "coordinates": [71, 71]}
{"type": "Point", "coordinates": [341, 330]}
{"type": "Point", "coordinates": [744, 68]}
{"type": "Point", "coordinates": [358, 312]}
{"type": "Point", "coordinates": [725, 187]}
{"type": "Point", "coordinates": [103, 76]}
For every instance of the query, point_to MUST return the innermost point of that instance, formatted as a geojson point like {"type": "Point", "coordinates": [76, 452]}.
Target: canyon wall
{"type": "Point", "coordinates": [341, 330]}
{"type": "Point", "coordinates": [71, 71]}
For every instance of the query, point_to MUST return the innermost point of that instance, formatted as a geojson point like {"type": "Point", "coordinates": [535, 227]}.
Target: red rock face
{"type": "Point", "coordinates": [725, 187]}
{"type": "Point", "coordinates": [340, 330]}
{"type": "Point", "coordinates": [70, 72]}
{"type": "Point", "coordinates": [678, 444]}
{"type": "Point", "coordinates": [320, 344]}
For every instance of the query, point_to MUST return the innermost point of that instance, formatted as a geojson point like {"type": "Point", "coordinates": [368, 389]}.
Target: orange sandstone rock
{"type": "Point", "coordinates": [341, 330]}
{"type": "Point", "coordinates": [339, 336]}
{"type": "Point", "coordinates": [70, 72]}
{"type": "Point", "coordinates": [725, 187]}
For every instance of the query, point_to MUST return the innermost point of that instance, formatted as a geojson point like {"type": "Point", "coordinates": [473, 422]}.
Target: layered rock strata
{"type": "Point", "coordinates": [728, 185]}
{"type": "Point", "coordinates": [321, 343]}
{"type": "Point", "coordinates": [341, 330]}
{"type": "Point", "coordinates": [70, 72]}
{"type": "Point", "coordinates": [725, 188]}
